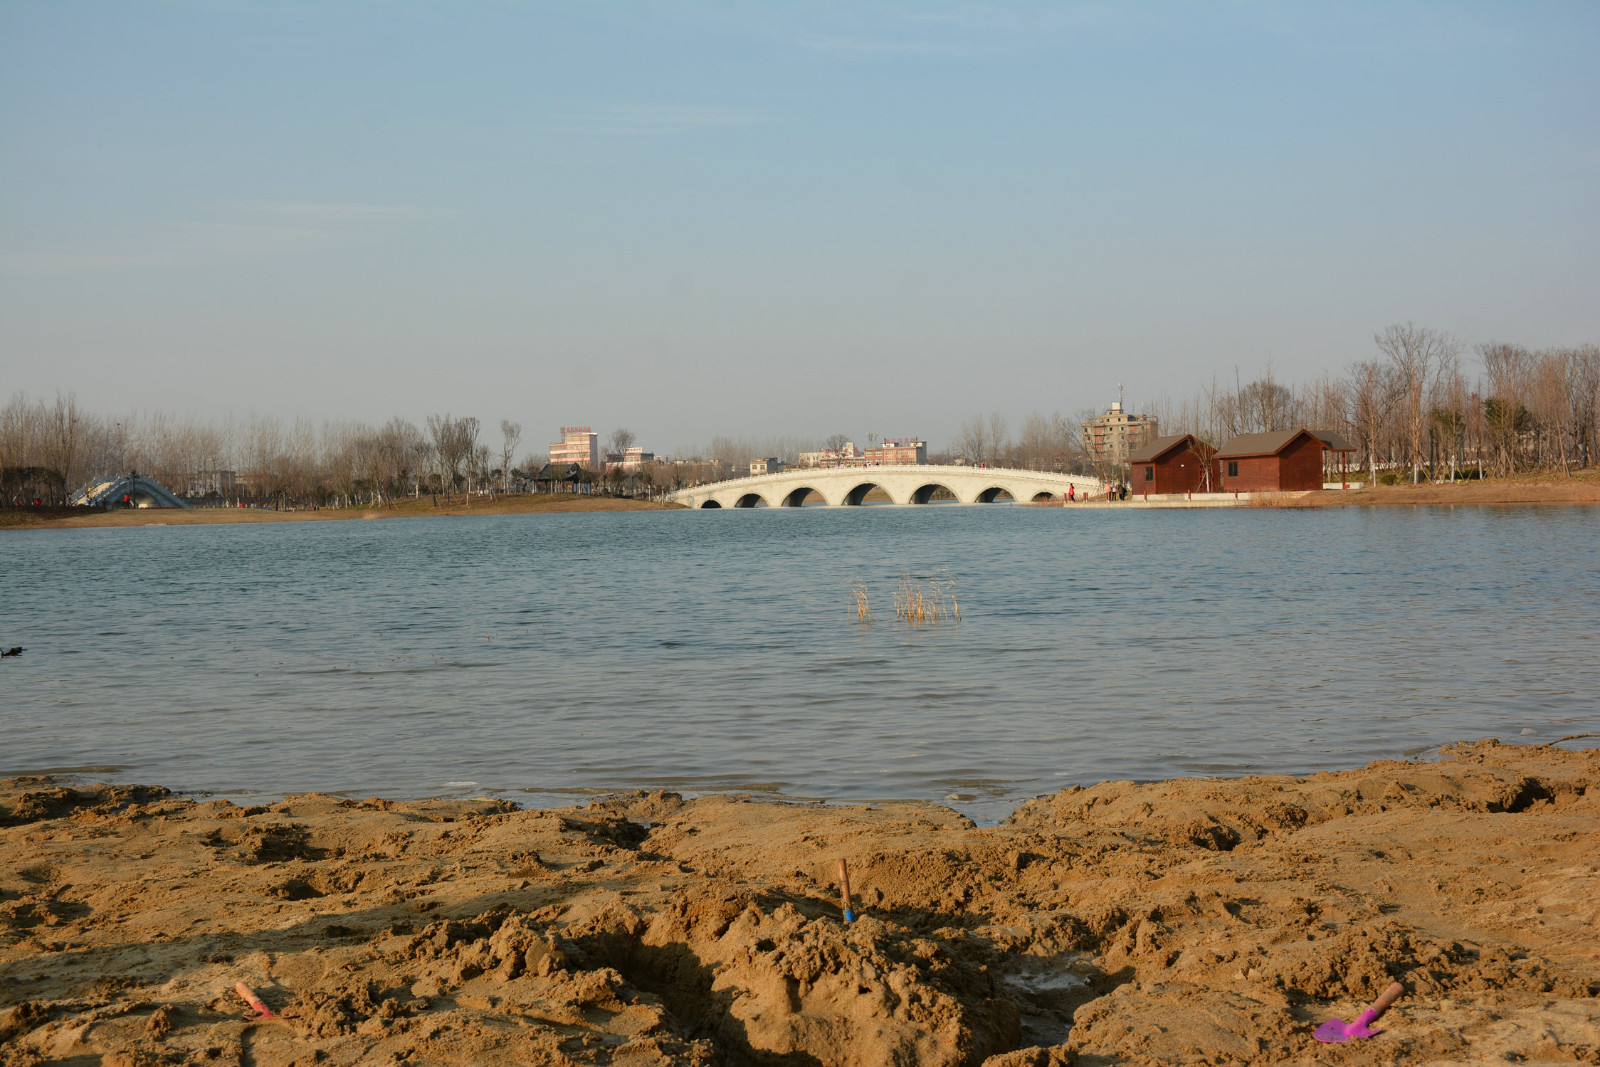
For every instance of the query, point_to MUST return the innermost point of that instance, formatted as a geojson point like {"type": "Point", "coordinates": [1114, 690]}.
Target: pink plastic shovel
{"type": "Point", "coordinates": [248, 995]}
{"type": "Point", "coordinates": [1335, 1031]}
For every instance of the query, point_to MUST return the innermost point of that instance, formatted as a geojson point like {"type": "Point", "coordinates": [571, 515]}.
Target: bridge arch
{"type": "Point", "coordinates": [1044, 496]}
{"type": "Point", "coordinates": [858, 494]}
{"type": "Point", "coordinates": [924, 494]}
{"type": "Point", "coordinates": [797, 497]}
{"type": "Point", "coordinates": [751, 500]}
{"type": "Point", "coordinates": [711, 504]}
{"type": "Point", "coordinates": [993, 494]}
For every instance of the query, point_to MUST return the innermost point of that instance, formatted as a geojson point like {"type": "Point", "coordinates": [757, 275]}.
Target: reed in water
{"type": "Point", "coordinates": [935, 603]}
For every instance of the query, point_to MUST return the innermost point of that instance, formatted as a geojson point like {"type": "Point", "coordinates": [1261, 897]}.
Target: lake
{"type": "Point", "coordinates": [545, 657]}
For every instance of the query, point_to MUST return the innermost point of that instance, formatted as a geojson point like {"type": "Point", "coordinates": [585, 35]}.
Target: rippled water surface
{"type": "Point", "coordinates": [540, 656]}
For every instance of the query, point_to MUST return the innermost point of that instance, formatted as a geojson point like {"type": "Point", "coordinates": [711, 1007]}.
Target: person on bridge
{"type": "Point", "coordinates": [1072, 492]}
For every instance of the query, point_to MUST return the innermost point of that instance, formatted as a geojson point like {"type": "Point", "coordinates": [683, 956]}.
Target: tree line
{"type": "Point", "coordinates": [1411, 406]}
{"type": "Point", "coordinates": [50, 448]}
{"type": "Point", "coordinates": [1414, 406]}
{"type": "Point", "coordinates": [254, 460]}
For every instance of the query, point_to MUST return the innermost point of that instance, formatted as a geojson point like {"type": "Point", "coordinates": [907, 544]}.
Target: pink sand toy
{"type": "Point", "coordinates": [1336, 1031]}
{"type": "Point", "coordinates": [250, 998]}
{"type": "Point", "coordinates": [844, 891]}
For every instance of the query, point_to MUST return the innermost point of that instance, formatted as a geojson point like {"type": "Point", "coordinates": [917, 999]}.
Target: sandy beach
{"type": "Point", "coordinates": [1214, 921]}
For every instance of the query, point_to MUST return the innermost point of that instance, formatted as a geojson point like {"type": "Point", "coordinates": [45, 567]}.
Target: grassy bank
{"type": "Point", "coordinates": [520, 504]}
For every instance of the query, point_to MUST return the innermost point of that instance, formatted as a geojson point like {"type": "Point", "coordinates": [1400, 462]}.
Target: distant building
{"type": "Point", "coordinates": [564, 477]}
{"type": "Point", "coordinates": [831, 457]}
{"type": "Point", "coordinates": [213, 483]}
{"type": "Point", "coordinates": [629, 459]}
{"type": "Point", "coordinates": [898, 452]}
{"type": "Point", "coordinates": [770, 465]}
{"type": "Point", "coordinates": [1109, 439]}
{"type": "Point", "coordinates": [895, 451]}
{"type": "Point", "coordinates": [579, 445]}
{"type": "Point", "coordinates": [1176, 464]}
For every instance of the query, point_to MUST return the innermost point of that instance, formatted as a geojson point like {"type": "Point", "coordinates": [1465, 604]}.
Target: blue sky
{"type": "Point", "coordinates": [761, 218]}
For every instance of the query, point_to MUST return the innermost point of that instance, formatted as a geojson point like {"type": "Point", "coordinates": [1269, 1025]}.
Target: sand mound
{"type": "Point", "coordinates": [1175, 922]}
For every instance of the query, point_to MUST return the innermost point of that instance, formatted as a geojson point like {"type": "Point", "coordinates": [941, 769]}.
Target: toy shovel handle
{"type": "Point", "coordinates": [1390, 995]}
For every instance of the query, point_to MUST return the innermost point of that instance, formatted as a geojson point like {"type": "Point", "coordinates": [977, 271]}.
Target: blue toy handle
{"type": "Point", "coordinates": [844, 892]}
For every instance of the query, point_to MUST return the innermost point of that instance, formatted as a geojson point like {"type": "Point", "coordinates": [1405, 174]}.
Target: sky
{"type": "Point", "coordinates": [765, 218]}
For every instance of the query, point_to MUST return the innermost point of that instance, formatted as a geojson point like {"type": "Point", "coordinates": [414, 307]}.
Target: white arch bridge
{"type": "Point", "coordinates": [912, 484]}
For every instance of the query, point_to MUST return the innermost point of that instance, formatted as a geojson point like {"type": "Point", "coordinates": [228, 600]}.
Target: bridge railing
{"type": "Point", "coordinates": [767, 479]}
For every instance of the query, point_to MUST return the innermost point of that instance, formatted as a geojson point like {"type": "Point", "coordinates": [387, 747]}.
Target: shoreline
{"type": "Point", "coordinates": [1582, 488]}
{"type": "Point", "coordinates": [520, 504]}
{"type": "Point", "coordinates": [1149, 923]}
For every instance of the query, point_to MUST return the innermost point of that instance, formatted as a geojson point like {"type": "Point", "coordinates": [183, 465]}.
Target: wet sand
{"type": "Point", "coordinates": [1213, 921]}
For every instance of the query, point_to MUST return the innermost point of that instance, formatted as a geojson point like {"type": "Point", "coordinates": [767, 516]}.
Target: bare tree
{"type": "Point", "coordinates": [972, 441]}
{"type": "Point", "coordinates": [621, 440]}
{"type": "Point", "coordinates": [510, 437]}
{"type": "Point", "coordinates": [1586, 400]}
{"type": "Point", "coordinates": [1046, 442]}
{"type": "Point", "coordinates": [478, 465]}
{"type": "Point", "coordinates": [1449, 417]}
{"type": "Point", "coordinates": [1415, 355]}
{"type": "Point", "coordinates": [1507, 369]}
{"type": "Point", "coordinates": [836, 442]}
{"type": "Point", "coordinates": [454, 442]}
{"type": "Point", "coordinates": [1370, 403]}
{"type": "Point", "coordinates": [999, 439]}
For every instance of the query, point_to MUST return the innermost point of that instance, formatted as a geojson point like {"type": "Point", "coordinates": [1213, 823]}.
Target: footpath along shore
{"type": "Point", "coordinates": [1192, 920]}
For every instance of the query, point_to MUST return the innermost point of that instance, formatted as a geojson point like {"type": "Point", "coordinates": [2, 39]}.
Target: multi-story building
{"type": "Point", "coordinates": [831, 457]}
{"type": "Point", "coordinates": [898, 451]}
{"type": "Point", "coordinates": [213, 483]}
{"type": "Point", "coordinates": [579, 445]}
{"type": "Point", "coordinates": [770, 465]}
{"type": "Point", "coordinates": [629, 459]}
{"type": "Point", "coordinates": [895, 451]}
{"type": "Point", "coordinates": [1108, 439]}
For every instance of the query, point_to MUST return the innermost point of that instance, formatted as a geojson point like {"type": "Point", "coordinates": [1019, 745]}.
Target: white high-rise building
{"type": "Point", "coordinates": [579, 445]}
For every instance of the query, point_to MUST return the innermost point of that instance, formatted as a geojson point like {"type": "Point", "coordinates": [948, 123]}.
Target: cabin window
{"type": "Point", "coordinates": [1149, 474]}
{"type": "Point", "coordinates": [1233, 468]}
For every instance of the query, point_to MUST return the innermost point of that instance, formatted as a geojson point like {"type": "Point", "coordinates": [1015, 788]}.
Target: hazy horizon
{"type": "Point", "coordinates": [760, 221]}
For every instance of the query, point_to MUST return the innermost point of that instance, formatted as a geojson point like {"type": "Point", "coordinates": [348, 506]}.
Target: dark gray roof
{"type": "Point", "coordinates": [1263, 444]}
{"type": "Point", "coordinates": [565, 472]}
{"type": "Point", "coordinates": [1333, 442]}
{"type": "Point", "coordinates": [1160, 446]}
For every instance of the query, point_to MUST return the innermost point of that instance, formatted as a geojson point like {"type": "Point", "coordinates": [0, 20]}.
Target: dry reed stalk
{"type": "Point", "coordinates": [858, 589]}
{"type": "Point", "coordinates": [935, 604]}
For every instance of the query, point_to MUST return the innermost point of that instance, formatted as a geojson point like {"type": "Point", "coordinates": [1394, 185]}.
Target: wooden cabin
{"type": "Point", "coordinates": [1176, 464]}
{"type": "Point", "coordinates": [1340, 446]}
{"type": "Point", "coordinates": [1279, 462]}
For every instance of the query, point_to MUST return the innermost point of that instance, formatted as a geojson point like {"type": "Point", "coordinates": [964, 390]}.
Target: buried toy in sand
{"type": "Point", "coordinates": [1162, 923]}
{"type": "Point", "coordinates": [1337, 1031]}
